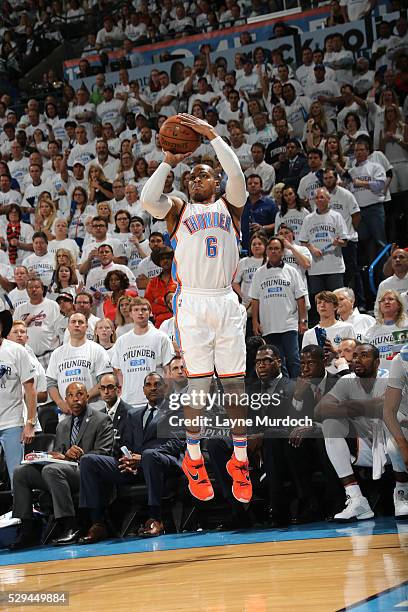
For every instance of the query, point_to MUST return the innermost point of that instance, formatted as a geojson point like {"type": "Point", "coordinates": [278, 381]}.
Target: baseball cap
{"type": "Point", "coordinates": [64, 295]}
{"type": "Point", "coordinates": [79, 162]}
{"type": "Point", "coordinates": [211, 109]}
{"type": "Point", "coordinates": [320, 67]}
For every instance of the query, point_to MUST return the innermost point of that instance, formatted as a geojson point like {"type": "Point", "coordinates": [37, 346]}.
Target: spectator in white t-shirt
{"type": "Point", "coordinates": [278, 306]}
{"type": "Point", "coordinates": [16, 384]}
{"type": "Point", "coordinates": [40, 316]}
{"type": "Point", "coordinates": [334, 331]}
{"type": "Point", "coordinates": [348, 313]}
{"type": "Point", "coordinates": [399, 280]}
{"type": "Point", "coordinates": [324, 232]}
{"type": "Point", "coordinates": [142, 350]}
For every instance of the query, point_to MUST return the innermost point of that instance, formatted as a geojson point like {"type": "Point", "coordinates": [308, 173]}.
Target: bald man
{"type": "Point", "coordinates": [84, 431]}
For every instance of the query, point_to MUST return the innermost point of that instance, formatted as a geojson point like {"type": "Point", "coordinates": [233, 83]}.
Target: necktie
{"type": "Point", "coordinates": [148, 417]}
{"type": "Point", "coordinates": [318, 395]}
{"type": "Point", "coordinates": [74, 430]}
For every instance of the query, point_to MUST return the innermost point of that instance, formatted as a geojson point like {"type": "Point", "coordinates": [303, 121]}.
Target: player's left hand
{"type": "Point", "coordinates": [175, 158]}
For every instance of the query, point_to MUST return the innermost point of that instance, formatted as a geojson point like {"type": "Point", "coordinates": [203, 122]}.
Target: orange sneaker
{"type": "Point", "coordinates": [241, 485]}
{"type": "Point", "coordinates": [198, 481]}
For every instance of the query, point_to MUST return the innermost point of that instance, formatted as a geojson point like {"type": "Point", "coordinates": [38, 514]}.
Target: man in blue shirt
{"type": "Point", "coordinates": [259, 212]}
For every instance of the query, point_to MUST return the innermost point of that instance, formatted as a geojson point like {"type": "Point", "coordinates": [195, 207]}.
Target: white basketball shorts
{"type": "Point", "coordinates": [210, 332]}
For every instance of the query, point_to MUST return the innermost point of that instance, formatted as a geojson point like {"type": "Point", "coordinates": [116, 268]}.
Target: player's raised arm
{"type": "Point", "coordinates": [235, 189]}
{"type": "Point", "coordinates": [152, 198]}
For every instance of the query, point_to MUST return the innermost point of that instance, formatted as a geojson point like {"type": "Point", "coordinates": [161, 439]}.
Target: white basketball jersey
{"type": "Point", "coordinates": [206, 246]}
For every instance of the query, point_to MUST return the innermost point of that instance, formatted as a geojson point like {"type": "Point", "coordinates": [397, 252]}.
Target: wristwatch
{"type": "Point", "coordinates": [32, 422]}
{"type": "Point", "coordinates": [303, 321]}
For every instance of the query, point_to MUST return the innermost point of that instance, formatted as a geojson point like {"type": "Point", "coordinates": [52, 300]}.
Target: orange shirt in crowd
{"type": "Point", "coordinates": [155, 291]}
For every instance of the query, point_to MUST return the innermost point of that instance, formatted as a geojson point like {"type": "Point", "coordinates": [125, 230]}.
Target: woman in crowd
{"type": "Point", "coordinates": [254, 106]}
{"type": "Point", "coordinates": [348, 313]}
{"type": "Point", "coordinates": [314, 136]}
{"type": "Point", "coordinates": [99, 188]}
{"type": "Point", "coordinates": [291, 213]}
{"type": "Point", "coordinates": [117, 283]}
{"type": "Point", "coordinates": [197, 110]}
{"type": "Point", "coordinates": [122, 223]}
{"type": "Point", "coordinates": [126, 169]}
{"type": "Point", "coordinates": [247, 266]}
{"type": "Point", "coordinates": [45, 215]}
{"type": "Point", "coordinates": [295, 255]}
{"type": "Point", "coordinates": [333, 155]}
{"type": "Point", "coordinates": [64, 257]}
{"type": "Point", "coordinates": [66, 280]}
{"type": "Point", "coordinates": [104, 210]}
{"type": "Point", "coordinates": [15, 236]}
{"type": "Point", "coordinates": [276, 193]}
{"type": "Point", "coordinates": [80, 210]}
{"type": "Point", "coordinates": [352, 126]}
{"type": "Point", "coordinates": [391, 319]}
{"type": "Point", "coordinates": [104, 334]}
{"type": "Point", "coordinates": [317, 113]}
{"type": "Point", "coordinates": [394, 144]}
{"type": "Point", "coordinates": [141, 175]}
{"type": "Point", "coordinates": [123, 319]}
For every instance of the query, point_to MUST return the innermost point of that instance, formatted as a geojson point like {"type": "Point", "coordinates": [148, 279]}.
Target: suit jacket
{"type": "Point", "coordinates": [291, 175]}
{"type": "Point", "coordinates": [138, 439]}
{"type": "Point", "coordinates": [120, 423]}
{"type": "Point", "coordinates": [309, 400]}
{"type": "Point", "coordinates": [95, 434]}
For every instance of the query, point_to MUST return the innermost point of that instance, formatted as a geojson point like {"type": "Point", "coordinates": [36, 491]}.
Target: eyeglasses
{"type": "Point", "coordinates": [98, 225]}
{"type": "Point", "coordinates": [120, 219]}
{"type": "Point", "coordinates": [108, 387]}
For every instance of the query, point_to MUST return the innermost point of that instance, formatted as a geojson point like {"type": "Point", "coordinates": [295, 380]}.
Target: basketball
{"type": "Point", "coordinates": [178, 138]}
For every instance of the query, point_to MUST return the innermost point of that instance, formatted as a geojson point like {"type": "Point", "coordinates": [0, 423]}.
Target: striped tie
{"type": "Point", "coordinates": [74, 430]}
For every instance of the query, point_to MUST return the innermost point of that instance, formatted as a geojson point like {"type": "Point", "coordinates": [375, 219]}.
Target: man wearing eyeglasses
{"type": "Point", "coordinates": [90, 259]}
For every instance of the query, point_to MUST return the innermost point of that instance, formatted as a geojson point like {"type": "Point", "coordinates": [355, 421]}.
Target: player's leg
{"type": "Point", "coordinates": [193, 463]}
{"type": "Point", "coordinates": [237, 466]}
{"type": "Point", "coordinates": [196, 341]}
{"type": "Point", "coordinates": [230, 361]}
{"type": "Point", "coordinates": [400, 475]}
{"type": "Point", "coordinates": [335, 432]}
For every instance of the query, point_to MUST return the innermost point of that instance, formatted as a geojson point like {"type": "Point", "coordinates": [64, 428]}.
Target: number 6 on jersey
{"type": "Point", "coordinates": [211, 245]}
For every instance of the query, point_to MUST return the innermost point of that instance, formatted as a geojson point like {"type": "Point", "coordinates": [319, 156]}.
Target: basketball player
{"type": "Point", "coordinates": [208, 319]}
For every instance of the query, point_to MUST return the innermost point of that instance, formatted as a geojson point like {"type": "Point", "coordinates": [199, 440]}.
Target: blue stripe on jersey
{"type": "Point", "coordinates": [176, 330]}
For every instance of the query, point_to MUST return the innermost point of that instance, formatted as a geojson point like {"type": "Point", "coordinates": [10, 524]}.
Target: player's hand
{"type": "Point", "coordinates": [198, 125]}
{"type": "Point", "coordinates": [175, 158]}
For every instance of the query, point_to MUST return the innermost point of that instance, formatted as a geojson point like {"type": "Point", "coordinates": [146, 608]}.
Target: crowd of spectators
{"type": "Point", "coordinates": [84, 269]}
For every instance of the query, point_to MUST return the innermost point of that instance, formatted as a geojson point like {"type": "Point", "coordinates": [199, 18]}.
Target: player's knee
{"type": "Point", "coordinates": [198, 391]}
{"type": "Point", "coordinates": [233, 390]}
{"type": "Point", "coordinates": [333, 428]}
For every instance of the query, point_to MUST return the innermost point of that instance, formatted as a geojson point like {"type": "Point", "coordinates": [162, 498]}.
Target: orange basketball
{"type": "Point", "coordinates": [178, 138]}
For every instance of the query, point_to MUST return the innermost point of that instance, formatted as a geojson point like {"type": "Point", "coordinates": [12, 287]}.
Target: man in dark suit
{"type": "Point", "coordinates": [152, 459]}
{"type": "Point", "coordinates": [85, 431]}
{"type": "Point", "coordinates": [306, 452]}
{"type": "Point", "coordinates": [270, 383]}
{"type": "Point", "coordinates": [293, 166]}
